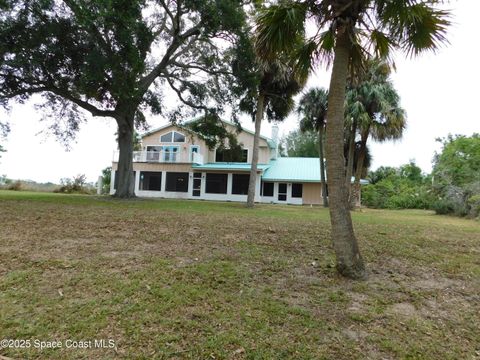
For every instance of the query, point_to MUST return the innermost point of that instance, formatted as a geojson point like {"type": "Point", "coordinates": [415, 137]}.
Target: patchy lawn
{"type": "Point", "coordinates": [198, 280]}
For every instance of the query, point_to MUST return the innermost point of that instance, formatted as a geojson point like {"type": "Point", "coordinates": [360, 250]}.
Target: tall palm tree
{"type": "Point", "coordinates": [278, 84]}
{"type": "Point", "coordinates": [373, 105]}
{"type": "Point", "coordinates": [266, 87]}
{"type": "Point", "coordinates": [347, 29]}
{"type": "Point", "coordinates": [313, 107]}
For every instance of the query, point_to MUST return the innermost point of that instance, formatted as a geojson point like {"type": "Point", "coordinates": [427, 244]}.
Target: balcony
{"type": "Point", "coordinates": [169, 157]}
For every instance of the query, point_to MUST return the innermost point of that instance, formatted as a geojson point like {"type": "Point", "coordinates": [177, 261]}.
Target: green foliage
{"type": "Point", "coordinates": [216, 135]}
{"type": "Point", "coordinates": [117, 59]}
{"type": "Point", "coordinates": [106, 179]}
{"type": "Point", "coordinates": [412, 26]}
{"type": "Point", "coordinates": [301, 144]}
{"type": "Point", "coordinates": [458, 162]}
{"type": "Point", "coordinates": [313, 108]}
{"type": "Point", "coordinates": [456, 175]}
{"type": "Point", "coordinates": [398, 188]}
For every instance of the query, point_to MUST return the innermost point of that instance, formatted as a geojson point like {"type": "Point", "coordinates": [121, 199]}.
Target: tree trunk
{"type": "Point", "coordinates": [253, 170]}
{"type": "Point", "coordinates": [322, 166]}
{"type": "Point", "coordinates": [349, 261]}
{"type": "Point", "coordinates": [355, 198]}
{"type": "Point", "coordinates": [126, 180]}
{"type": "Point", "coordinates": [351, 157]}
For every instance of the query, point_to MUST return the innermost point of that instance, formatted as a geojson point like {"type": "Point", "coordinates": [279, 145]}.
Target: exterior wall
{"type": "Point", "coordinates": [245, 138]}
{"type": "Point", "coordinates": [190, 139]}
{"type": "Point", "coordinates": [274, 199]}
{"type": "Point", "coordinates": [312, 193]}
{"type": "Point", "coordinates": [164, 168]}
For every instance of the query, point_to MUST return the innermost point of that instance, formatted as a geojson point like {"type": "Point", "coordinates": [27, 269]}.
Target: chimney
{"type": "Point", "coordinates": [275, 139]}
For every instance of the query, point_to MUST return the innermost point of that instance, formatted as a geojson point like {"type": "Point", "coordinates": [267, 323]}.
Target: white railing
{"type": "Point", "coordinates": [164, 157]}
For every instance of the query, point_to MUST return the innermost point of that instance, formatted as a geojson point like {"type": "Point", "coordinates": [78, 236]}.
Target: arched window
{"type": "Point", "coordinates": [172, 136]}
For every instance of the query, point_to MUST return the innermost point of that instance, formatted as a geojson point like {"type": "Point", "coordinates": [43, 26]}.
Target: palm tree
{"type": "Point", "coordinates": [373, 105]}
{"type": "Point", "coordinates": [313, 106]}
{"type": "Point", "coordinates": [347, 29]}
{"type": "Point", "coordinates": [265, 88]}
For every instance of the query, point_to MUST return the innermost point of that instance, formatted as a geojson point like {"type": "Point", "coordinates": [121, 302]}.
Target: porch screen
{"type": "Point", "coordinates": [216, 183]}
{"type": "Point", "coordinates": [240, 184]}
{"type": "Point", "coordinates": [267, 189]}
{"type": "Point", "coordinates": [150, 180]}
{"type": "Point", "coordinates": [297, 190]}
{"type": "Point", "coordinates": [177, 182]}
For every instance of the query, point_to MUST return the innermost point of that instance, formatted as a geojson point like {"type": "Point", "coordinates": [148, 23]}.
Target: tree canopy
{"type": "Point", "coordinates": [117, 58]}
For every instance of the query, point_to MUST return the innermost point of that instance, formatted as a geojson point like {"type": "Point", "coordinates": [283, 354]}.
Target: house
{"type": "Point", "coordinates": [176, 163]}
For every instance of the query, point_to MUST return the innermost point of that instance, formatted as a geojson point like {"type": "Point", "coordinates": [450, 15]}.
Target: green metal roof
{"type": "Point", "coordinates": [228, 166]}
{"type": "Point", "coordinates": [295, 169]}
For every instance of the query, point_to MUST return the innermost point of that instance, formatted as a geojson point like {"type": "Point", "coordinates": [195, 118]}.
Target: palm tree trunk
{"type": "Point", "coordinates": [126, 181]}
{"type": "Point", "coordinates": [351, 157]}
{"type": "Point", "coordinates": [355, 199]}
{"type": "Point", "coordinates": [349, 261]}
{"type": "Point", "coordinates": [253, 170]}
{"type": "Point", "coordinates": [322, 166]}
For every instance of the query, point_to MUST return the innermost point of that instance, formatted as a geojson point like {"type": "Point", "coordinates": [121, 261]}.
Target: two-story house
{"type": "Point", "coordinates": [175, 163]}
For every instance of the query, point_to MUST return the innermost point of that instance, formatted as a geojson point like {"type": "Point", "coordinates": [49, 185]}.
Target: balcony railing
{"type": "Point", "coordinates": [164, 157]}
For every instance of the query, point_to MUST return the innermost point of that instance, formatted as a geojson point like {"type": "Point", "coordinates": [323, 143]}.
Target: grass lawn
{"type": "Point", "coordinates": [205, 280]}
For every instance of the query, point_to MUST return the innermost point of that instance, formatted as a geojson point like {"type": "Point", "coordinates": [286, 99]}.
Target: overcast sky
{"type": "Point", "coordinates": [439, 92]}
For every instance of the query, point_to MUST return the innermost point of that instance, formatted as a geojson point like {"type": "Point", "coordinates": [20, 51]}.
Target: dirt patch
{"type": "Point", "coordinates": [403, 309]}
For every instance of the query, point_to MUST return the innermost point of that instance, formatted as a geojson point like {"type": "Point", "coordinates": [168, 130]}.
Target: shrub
{"type": "Point", "coordinates": [443, 207]}
{"type": "Point", "coordinates": [474, 205]}
{"type": "Point", "coordinates": [76, 185]}
{"type": "Point", "coordinates": [15, 186]}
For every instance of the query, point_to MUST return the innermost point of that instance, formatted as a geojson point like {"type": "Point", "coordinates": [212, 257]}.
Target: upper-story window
{"type": "Point", "coordinates": [172, 136]}
{"type": "Point", "coordinates": [227, 155]}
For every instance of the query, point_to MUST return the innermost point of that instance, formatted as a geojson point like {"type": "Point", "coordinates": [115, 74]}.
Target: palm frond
{"type": "Point", "coordinates": [415, 25]}
{"type": "Point", "coordinates": [279, 27]}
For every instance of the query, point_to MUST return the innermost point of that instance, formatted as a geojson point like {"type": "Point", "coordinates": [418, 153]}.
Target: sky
{"type": "Point", "coordinates": [439, 92]}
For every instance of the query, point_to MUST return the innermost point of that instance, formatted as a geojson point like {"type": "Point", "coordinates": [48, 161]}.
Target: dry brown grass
{"type": "Point", "coordinates": [183, 279]}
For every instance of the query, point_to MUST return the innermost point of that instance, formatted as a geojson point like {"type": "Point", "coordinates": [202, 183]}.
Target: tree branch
{"type": "Point", "coordinates": [177, 41]}
{"type": "Point", "coordinates": [180, 96]}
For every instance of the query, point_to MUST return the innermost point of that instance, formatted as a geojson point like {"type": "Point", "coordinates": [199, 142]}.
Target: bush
{"type": "Point", "coordinates": [443, 207]}
{"type": "Point", "coordinates": [15, 186]}
{"type": "Point", "coordinates": [474, 205]}
{"type": "Point", "coordinates": [76, 185]}
{"type": "Point", "coordinates": [398, 188]}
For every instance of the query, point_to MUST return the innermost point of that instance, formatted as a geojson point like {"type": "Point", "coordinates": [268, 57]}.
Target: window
{"type": "Point", "coordinates": [216, 183]}
{"type": "Point", "coordinates": [244, 155]}
{"type": "Point", "coordinates": [297, 190]}
{"type": "Point", "coordinates": [166, 137]}
{"type": "Point", "coordinates": [282, 192]}
{"type": "Point", "coordinates": [150, 180]}
{"type": "Point", "coordinates": [240, 184]}
{"type": "Point", "coordinates": [172, 136]}
{"type": "Point", "coordinates": [177, 137]}
{"type": "Point", "coordinates": [153, 153]}
{"type": "Point", "coordinates": [177, 182]}
{"type": "Point", "coordinates": [194, 149]}
{"type": "Point", "coordinates": [170, 153]}
{"type": "Point", "coordinates": [267, 189]}
{"type": "Point", "coordinates": [228, 155]}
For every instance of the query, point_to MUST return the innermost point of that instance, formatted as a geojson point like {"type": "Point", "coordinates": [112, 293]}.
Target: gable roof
{"type": "Point", "coordinates": [270, 142]}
